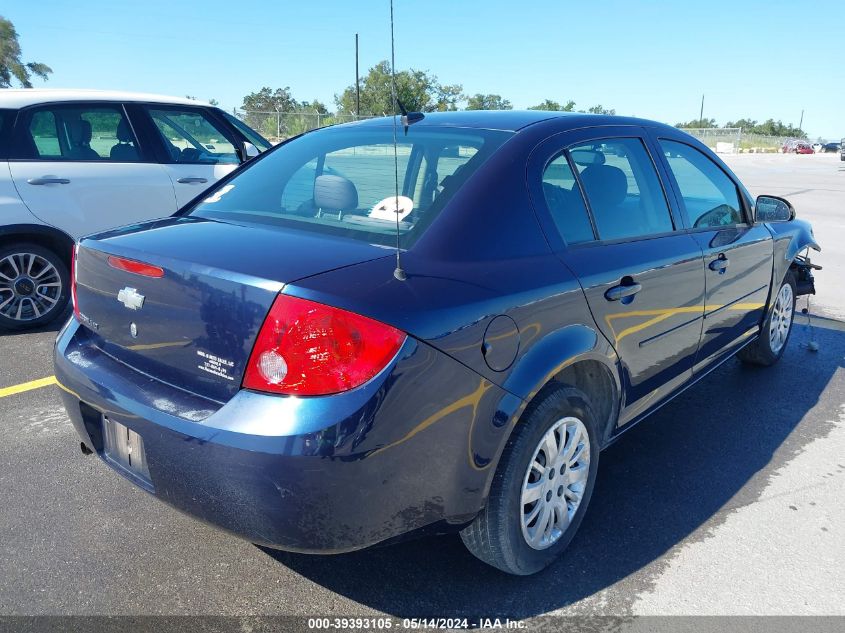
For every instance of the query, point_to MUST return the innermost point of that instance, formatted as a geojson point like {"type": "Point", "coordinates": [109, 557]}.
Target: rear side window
{"type": "Point", "coordinates": [6, 117]}
{"type": "Point", "coordinates": [80, 133]}
{"type": "Point", "coordinates": [342, 181]}
{"type": "Point", "coordinates": [710, 197]}
{"type": "Point", "coordinates": [192, 136]}
{"type": "Point", "coordinates": [622, 188]}
{"type": "Point", "coordinates": [565, 203]}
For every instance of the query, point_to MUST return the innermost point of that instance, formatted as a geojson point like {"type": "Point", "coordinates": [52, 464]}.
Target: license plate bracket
{"type": "Point", "coordinates": [124, 449]}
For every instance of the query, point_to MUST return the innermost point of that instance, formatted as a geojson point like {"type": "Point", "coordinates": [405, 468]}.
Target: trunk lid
{"type": "Point", "coordinates": [196, 325]}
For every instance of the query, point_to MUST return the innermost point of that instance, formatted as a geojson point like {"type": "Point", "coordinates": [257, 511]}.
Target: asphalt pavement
{"type": "Point", "coordinates": [727, 501]}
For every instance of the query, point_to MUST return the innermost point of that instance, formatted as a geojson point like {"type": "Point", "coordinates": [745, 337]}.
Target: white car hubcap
{"type": "Point", "coordinates": [555, 482]}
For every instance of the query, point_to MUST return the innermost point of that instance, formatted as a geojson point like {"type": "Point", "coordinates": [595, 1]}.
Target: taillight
{"type": "Point", "coordinates": [137, 268]}
{"type": "Point", "coordinates": [73, 299]}
{"type": "Point", "coordinates": [310, 349]}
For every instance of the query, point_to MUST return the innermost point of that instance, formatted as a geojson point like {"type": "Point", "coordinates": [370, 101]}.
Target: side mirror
{"type": "Point", "coordinates": [251, 150]}
{"type": "Point", "coordinates": [773, 209]}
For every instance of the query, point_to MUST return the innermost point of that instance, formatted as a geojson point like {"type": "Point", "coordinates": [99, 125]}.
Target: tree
{"type": "Point", "coordinates": [449, 96]}
{"type": "Point", "coordinates": [213, 102]}
{"type": "Point", "coordinates": [313, 107]}
{"type": "Point", "coordinates": [598, 109]}
{"type": "Point", "coordinates": [770, 127]}
{"type": "Point", "coordinates": [480, 101]}
{"type": "Point", "coordinates": [554, 106]}
{"type": "Point", "coordinates": [11, 65]}
{"type": "Point", "coordinates": [416, 89]}
{"type": "Point", "coordinates": [268, 100]}
{"type": "Point", "coordinates": [697, 123]}
{"type": "Point", "coordinates": [262, 109]}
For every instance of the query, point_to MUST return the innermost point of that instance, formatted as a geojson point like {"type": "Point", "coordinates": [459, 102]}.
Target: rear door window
{"type": "Point", "coordinates": [565, 203]}
{"type": "Point", "coordinates": [622, 188]}
{"type": "Point", "coordinates": [93, 132]}
{"type": "Point", "coordinates": [191, 136]}
{"type": "Point", "coordinates": [710, 197]}
{"type": "Point", "coordinates": [6, 118]}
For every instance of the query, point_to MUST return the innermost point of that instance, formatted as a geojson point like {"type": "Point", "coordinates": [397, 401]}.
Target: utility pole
{"type": "Point", "coordinates": [701, 112]}
{"type": "Point", "coordinates": [357, 81]}
{"type": "Point", "coordinates": [801, 122]}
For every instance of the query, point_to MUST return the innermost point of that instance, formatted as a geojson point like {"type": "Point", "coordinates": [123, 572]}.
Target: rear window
{"type": "Point", "coordinates": [343, 181]}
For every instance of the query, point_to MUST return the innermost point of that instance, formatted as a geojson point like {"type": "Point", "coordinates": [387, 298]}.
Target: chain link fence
{"type": "Point", "coordinates": [278, 126]}
{"type": "Point", "coordinates": [733, 139]}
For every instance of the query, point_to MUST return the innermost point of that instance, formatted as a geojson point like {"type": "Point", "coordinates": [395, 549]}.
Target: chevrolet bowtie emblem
{"type": "Point", "coordinates": [131, 298]}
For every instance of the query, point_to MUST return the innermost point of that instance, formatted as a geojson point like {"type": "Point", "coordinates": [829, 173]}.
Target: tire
{"type": "Point", "coordinates": [768, 348]}
{"type": "Point", "coordinates": [34, 286]}
{"type": "Point", "coordinates": [497, 536]}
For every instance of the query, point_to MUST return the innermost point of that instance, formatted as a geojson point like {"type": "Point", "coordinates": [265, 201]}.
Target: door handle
{"type": "Point", "coordinates": [719, 265]}
{"type": "Point", "coordinates": [48, 180]}
{"type": "Point", "coordinates": [622, 291]}
{"type": "Point", "coordinates": [192, 180]}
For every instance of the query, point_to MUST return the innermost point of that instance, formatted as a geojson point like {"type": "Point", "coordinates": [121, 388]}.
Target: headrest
{"type": "Point", "coordinates": [124, 132]}
{"type": "Point", "coordinates": [586, 157]}
{"type": "Point", "coordinates": [79, 132]}
{"type": "Point", "coordinates": [335, 193]}
{"type": "Point", "coordinates": [606, 185]}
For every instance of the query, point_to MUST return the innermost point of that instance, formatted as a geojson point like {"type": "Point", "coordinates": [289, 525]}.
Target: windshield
{"type": "Point", "coordinates": [342, 181]}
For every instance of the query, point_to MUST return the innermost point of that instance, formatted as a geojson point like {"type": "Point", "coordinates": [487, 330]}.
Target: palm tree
{"type": "Point", "coordinates": [10, 59]}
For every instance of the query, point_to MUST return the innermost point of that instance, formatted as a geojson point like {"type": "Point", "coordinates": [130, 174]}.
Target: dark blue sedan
{"type": "Point", "coordinates": [352, 339]}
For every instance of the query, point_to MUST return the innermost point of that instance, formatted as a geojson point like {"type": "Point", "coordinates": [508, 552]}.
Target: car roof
{"type": "Point", "coordinates": [511, 120]}
{"type": "Point", "coordinates": [22, 97]}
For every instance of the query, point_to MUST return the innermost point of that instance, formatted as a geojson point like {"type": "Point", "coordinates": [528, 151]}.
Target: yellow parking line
{"type": "Point", "coordinates": [27, 386]}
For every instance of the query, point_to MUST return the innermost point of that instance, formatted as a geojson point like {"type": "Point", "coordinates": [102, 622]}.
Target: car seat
{"type": "Point", "coordinates": [79, 135]}
{"type": "Point", "coordinates": [334, 194]}
{"type": "Point", "coordinates": [125, 149]}
{"type": "Point", "coordinates": [607, 187]}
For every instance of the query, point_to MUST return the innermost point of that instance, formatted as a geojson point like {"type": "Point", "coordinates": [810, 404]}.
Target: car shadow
{"type": "Point", "coordinates": [712, 448]}
{"type": "Point", "coordinates": [54, 326]}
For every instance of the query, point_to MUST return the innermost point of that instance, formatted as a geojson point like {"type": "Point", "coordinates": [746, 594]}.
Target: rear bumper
{"type": "Point", "coordinates": [413, 448]}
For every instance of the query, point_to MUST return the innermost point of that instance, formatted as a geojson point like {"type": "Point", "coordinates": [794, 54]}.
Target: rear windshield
{"type": "Point", "coordinates": [343, 181]}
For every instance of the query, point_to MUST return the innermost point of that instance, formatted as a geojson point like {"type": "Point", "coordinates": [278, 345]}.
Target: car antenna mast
{"type": "Point", "coordinates": [398, 273]}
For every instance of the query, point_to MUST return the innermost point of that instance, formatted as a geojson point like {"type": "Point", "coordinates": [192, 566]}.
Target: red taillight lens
{"type": "Point", "coordinates": [73, 299]}
{"type": "Point", "coordinates": [310, 349]}
{"type": "Point", "coordinates": [138, 268]}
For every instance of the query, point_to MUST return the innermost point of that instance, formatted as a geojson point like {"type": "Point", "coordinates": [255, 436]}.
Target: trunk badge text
{"type": "Point", "coordinates": [131, 298]}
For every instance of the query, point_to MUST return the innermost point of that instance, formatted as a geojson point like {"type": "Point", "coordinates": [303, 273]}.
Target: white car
{"type": "Point", "coordinates": [74, 162]}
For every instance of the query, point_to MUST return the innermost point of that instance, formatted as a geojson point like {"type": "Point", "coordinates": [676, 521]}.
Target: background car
{"type": "Point", "coordinates": [312, 362]}
{"type": "Point", "coordinates": [817, 146]}
{"type": "Point", "coordinates": [76, 162]}
{"type": "Point", "coordinates": [831, 148]}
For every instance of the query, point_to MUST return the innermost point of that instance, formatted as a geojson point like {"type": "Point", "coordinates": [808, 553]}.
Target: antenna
{"type": "Point", "coordinates": [398, 273]}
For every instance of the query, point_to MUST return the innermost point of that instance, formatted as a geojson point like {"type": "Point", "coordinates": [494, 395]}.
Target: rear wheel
{"type": "Point", "coordinates": [770, 345]}
{"type": "Point", "coordinates": [33, 286]}
{"type": "Point", "coordinates": [542, 486]}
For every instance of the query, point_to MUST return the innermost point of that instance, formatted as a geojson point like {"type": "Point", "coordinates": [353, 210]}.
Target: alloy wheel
{"type": "Point", "coordinates": [30, 286]}
{"type": "Point", "coordinates": [781, 320]}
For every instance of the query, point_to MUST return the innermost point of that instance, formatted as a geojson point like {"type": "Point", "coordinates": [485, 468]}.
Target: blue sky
{"type": "Point", "coordinates": [751, 58]}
